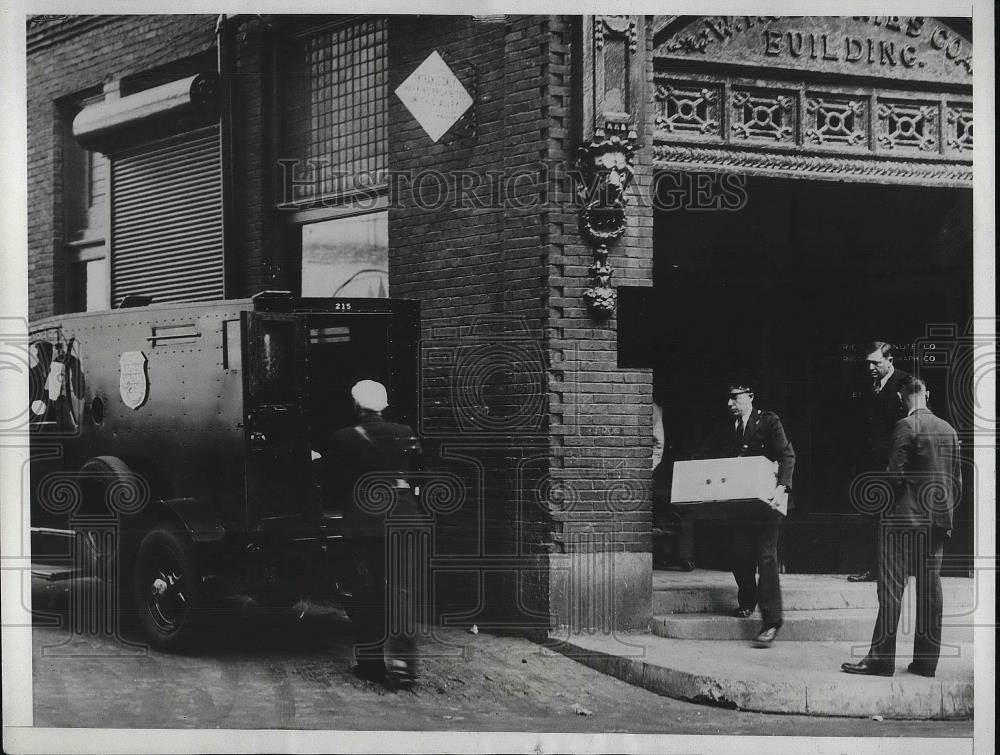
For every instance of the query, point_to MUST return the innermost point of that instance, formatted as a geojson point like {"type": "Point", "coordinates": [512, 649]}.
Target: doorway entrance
{"type": "Point", "coordinates": [785, 291]}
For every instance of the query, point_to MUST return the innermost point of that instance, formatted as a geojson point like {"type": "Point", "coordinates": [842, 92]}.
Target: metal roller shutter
{"type": "Point", "coordinates": [166, 220]}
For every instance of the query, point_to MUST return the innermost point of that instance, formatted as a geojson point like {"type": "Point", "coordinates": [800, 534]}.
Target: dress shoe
{"type": "Point", "coordinates": [867, 576]}
{"type": "Point", "coordinates": [742, 613]}
{"type": "Point", "coordinates": [400, 673]}
{"type": "Point", "coordinates": [370, 671]}
{"type": "Point", "coordinates": [868, 667]}
{"type": "Point", "coordinates": [920, 669]}
{"type": "Point", "coordinates": [765, 638]}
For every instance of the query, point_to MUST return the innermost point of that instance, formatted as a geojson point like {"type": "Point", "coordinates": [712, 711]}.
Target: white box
{"type": "Point", "coordinates": [725, 481]}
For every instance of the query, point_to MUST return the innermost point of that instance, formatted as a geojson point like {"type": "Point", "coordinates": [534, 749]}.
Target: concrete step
{"type": "Point", "coordinates": [704, 591]}
{"type": "Point", "coordinates": [789, 677]}
{"type": "Point", "coordinates": [829, 625]}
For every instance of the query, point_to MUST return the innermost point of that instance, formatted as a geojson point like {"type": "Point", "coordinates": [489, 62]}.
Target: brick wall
{"type": "Point", "coordinates": [478, 272]}
{"type": "Point", "coordinates": [255, 247]}
{"type": "Point", "coordinates": [65, 59]}
{"type": "Point", "coordinates": [547, 478]}
{"type": "Point", "coordinates": [601, 415]}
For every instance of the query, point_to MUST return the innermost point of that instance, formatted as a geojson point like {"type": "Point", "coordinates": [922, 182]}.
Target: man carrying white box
{"type": "Point", "coordinates": [748, 433]}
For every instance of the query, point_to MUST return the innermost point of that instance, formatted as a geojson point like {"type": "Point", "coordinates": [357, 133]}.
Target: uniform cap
{"type": "Point", "coordinates": [370, 395]}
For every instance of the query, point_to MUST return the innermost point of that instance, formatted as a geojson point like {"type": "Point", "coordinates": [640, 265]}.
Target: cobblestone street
{"type": "Point", "coordinates": [293, 673]}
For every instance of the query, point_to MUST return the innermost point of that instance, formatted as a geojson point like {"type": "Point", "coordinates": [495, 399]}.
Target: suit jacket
{"type": "Point", "coordinates": [925, 470]}
{"type": "Point", "coordinates": [763, 436]}
{"type": "Point", "coordinates": [881, 413]}
{"type": "Point", "coordinates": [381, 452]}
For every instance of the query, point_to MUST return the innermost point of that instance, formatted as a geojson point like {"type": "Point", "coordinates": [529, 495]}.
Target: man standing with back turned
{"type": "Point", "coordinates": [366, 477]}
{"type": "Point", "coordinates": [925, 472]}
{"type": "Point", "coordinates": [882, 411]}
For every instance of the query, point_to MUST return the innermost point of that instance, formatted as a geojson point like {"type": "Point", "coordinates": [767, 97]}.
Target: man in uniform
{"type": "Point", "coordinates": [881, 410]}
{"type": "Point", "coordinates": [750, 432]}
{"type": "Point", "coordinates": [366, 469]}
{"type": "Point", "coordinates": [924, 470]}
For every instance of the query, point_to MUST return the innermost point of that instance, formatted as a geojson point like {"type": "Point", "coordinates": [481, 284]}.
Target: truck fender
{"type": "Point", "coordinates": [107, 485]}
{"type": "Point", "coordinates": [198, 518]}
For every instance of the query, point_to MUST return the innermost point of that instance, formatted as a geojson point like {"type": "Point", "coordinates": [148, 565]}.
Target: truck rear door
{"type": "Point", "coordinates": [276, 428]}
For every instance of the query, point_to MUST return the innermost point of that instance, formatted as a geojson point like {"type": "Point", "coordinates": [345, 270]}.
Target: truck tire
{"type": "Point", "coordinates": [167, 589]}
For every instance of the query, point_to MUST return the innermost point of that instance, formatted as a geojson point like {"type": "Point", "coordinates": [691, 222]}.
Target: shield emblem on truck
{"type": "Point", "coordinates": [133, 383]}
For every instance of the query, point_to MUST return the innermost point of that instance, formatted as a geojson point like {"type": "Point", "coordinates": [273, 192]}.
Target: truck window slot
{"type": "Point", "coordinates": [276, 361]}
{"type": "Point", "coordinates": [232, 349]}
{"type": "Point", "coordinates": [329, 335]}
{"type": "Point", "coordinates": [172, 335]}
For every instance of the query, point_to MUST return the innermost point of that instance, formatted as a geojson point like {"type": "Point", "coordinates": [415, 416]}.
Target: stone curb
{"type": "Point", "coordinates": [828, 693]}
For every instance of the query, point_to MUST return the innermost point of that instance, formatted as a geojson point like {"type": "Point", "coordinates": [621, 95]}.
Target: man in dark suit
{"type": "Point", "coordinates": [881, 410]}
{"type": "Point", "coordinates": [754, 545]}
{"type": "Point", "coordinates": [366, 469]}
{"type": "Point", "coordinates": [925, 472]}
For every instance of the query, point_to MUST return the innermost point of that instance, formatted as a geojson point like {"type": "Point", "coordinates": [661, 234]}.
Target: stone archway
{"type": "Point", "coordinates": [792, 104]}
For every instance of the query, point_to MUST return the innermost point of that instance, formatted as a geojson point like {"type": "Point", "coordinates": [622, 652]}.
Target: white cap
{"type": "Point", "coordinates": [368, 394]}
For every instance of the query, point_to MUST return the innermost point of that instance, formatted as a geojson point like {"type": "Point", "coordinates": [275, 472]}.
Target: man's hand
{"type": "Point", "coordinates": [779, 498]}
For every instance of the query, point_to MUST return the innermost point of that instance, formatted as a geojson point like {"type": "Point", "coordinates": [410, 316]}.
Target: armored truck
{"type": "Point", "coordinates": [178, 443]}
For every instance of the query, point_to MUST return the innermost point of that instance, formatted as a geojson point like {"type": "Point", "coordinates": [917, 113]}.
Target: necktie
{"type": "Point", "coordinates": [739, 433]}
{"type": "Point", "coordinates": [876, 387]}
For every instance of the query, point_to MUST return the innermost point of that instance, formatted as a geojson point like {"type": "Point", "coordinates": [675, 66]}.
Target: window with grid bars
{"type": "Point", "coordinates": [332, 168]}
{"type": "Point", "coordinates": [334, 114]}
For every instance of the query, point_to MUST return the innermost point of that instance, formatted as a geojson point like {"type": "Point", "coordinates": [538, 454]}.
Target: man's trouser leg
{"type": "Point", "coordinates": [769, 583]}
{"type": "Point", "coordinates": [894, 557]}
{"type": "Point", "coordinates": [367, 604]}
{"type": "Point", "coordinates": [743, 558]}
{"type": "Point", "coordinates": [928, 553]}
{"type": "Point", "coordinates": [874, 553]}
{"type": "Point", "coordinates": [685, 537]}
{"type": "Point", "coordinates": [407, 552]}
{"type": "Point", "coordinates": [871, 526]}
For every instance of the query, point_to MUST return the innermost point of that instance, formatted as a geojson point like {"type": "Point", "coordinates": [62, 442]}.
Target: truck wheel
{"type": "Point", "coordinates": [167, 589]}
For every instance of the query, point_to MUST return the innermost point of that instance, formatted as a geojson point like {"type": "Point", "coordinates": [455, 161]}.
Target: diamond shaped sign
{"type": "Point", "coordinates": [435, 96]}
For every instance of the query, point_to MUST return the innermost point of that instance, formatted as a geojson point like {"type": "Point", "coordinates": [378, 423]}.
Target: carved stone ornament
{"type": "Point", "coordinates": [606, 169]}
{"type": "Point", "coordinates": [835, 121]}
{"type": "Point", "coordinates": [907, 126]}
{"type": "Point", "coordinates": [859, 169]}
{"type": "Point", "coordinates": [960, 128]}
{"type": "Point", "coordinates": [689, 109]}
{"type": "Point", "coordinates": [768, 116]}
{"type": "Point", "coordinates": [612, 26]}
{"type": "Point", "coordinates": [600, 297]}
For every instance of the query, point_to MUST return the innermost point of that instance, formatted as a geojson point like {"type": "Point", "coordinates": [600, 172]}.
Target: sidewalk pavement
{"type": "Point", "coordinates": [697, 651]}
